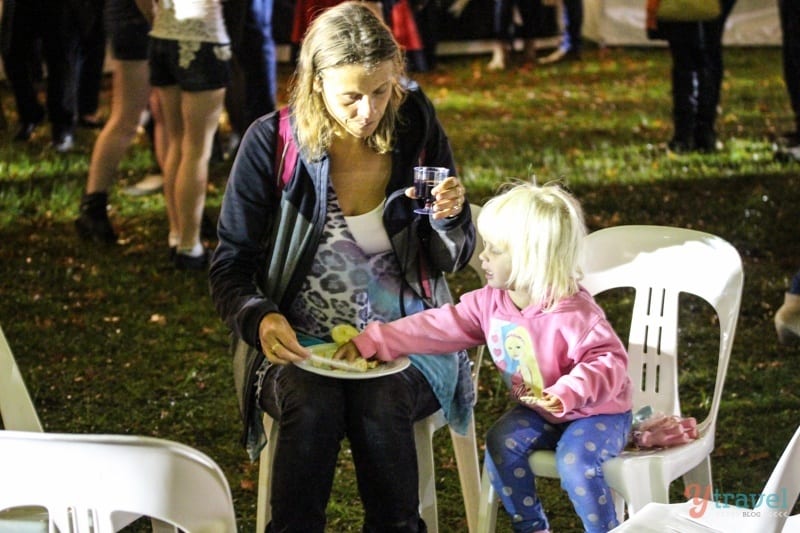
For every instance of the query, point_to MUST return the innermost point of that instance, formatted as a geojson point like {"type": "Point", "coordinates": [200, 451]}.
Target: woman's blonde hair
{"type": "Point", "coordinates": [346, 34]}
{"type": "Point", "coordinates": [543, 229]}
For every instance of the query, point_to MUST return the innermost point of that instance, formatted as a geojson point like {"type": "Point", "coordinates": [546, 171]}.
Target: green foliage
{"type": "Point", "coordinates": [113, 339]}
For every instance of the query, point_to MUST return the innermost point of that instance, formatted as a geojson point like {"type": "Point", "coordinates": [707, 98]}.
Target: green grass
{"type": "Point", "coordinates": [115, 340]}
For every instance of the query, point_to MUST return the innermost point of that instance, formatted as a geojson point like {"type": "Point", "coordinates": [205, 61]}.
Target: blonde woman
{"type": "Point", "coordinates": [340, 243]}
{"type": "Point", "coordinates": [533, 237]}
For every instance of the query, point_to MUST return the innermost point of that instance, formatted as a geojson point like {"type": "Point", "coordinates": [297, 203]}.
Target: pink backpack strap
{"type": "Point", "coordinates": [285, 150]}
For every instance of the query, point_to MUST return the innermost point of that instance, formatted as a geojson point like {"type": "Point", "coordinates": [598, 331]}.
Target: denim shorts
{"type": "Point", "coordinates": [127, 30]}
{"type": "Point", "coordinates": [191, 65]}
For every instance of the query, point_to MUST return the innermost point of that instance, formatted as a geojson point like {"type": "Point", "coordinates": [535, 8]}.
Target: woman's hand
{"type": "Point", "coordinates": [450, 198]}
{"type": "Point", "coordinates": [279, 341]}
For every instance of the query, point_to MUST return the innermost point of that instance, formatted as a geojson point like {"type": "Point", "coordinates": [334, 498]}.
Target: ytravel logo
{"type": "Point", "coordinates": [754, 504]}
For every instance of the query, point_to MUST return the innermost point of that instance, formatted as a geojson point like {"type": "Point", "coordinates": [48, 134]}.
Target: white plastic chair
{"type": "Point", "coordinates": [465, 449]}
{"type": "Point", "coordinates": [659, 263]}
{"type": "Point", "coordinates": [16, 407]}
{"type": "Point", "coordinates": [770, 516]}
{"type": "Point", "coordinates": [101, 483]}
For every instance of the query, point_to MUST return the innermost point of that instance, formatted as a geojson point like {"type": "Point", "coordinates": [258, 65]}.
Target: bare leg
{"type": "Point", "coordinates": [130, 88]}
{"type": "Point", "coordinates": [170, 99]}
{"type": "Point", "coordinates": [159, 137]}
{"type": "Point", "coordinates": [200, 113]}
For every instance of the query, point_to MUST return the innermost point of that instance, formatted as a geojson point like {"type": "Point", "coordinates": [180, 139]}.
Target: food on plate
{"type": "Point", "coordinates": [342, 333]}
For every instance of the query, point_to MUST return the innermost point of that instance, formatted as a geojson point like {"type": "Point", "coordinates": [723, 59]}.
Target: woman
{"type": "Point", "coordinates": [189, 69]}
{"type": "Point", "coordinates": [127, 29]}
{"type": "Point", "coordinates": [340, 244]}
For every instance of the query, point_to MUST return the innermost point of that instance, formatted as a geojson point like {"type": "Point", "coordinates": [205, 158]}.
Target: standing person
{"type": "Point", "coordinates": [697, 68]}
{"type": "Point", "coordinates": [505, 31]}
{"type": "Point", "coordinates": [789, 12]}
{"type": "Point", "coordinates": [127, 29]}
{"type": "Point", "coordinates": [570, 47]}
{"type": "Point", "coordinates": [189, 69]}
{"type": "Point", "coordinates": [26, 25]}
{"type": "Point", "coordinates": [254, 80]}
{"type": "Point", "coordinates": [339, 243]}
{"type": "Point", "coordinates": [561, 359]}
{"type": "Point", "coordinates": [90, 60]}
{"type": "Point", "coordinates": [787, 318]}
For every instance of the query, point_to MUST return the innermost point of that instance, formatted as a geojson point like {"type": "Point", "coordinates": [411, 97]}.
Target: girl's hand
{"type": "Point", "coordinates": [347, 352]}
{"type": "Point", "coordinates": [450, 198]}
{"type": "Point", "coordinates": [522, 393]}
{"type": "Point", "coordinates": [551, 403]}
{"type": "Point", "coordinates": [279, 341]}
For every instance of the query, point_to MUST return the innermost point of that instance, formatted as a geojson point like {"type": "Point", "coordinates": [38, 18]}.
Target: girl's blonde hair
{"type": "Point", "coordinates": [543, 229]}
{"type": "Point", "coordinates": [346, 34]}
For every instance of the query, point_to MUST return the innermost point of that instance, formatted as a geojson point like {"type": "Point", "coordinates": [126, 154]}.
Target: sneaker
{"type": "Point", "coordinates": [560, 54]}
{"type": "Point", "coordinates": [97, 229]}
{"type": "Point", "coordinates": [150, 184]}
{"type": "Point", "coordinates": [63, 143]}
{"type": "Point", "coordinates": [190, 262]}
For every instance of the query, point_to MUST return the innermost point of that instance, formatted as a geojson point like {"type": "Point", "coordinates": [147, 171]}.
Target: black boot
{"type": "Point", "coordinates": [93, 223]}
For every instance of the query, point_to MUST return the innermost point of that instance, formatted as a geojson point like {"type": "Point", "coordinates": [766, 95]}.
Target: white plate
{"type": "Point", "coordinates": [384, 369]}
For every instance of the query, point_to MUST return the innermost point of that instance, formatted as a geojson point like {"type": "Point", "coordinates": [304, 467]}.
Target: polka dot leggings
{"type": "Point", "coordinates": [581, 447]}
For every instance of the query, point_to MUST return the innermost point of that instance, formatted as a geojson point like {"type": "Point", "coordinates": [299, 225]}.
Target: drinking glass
{"type": "Point", "coordinates": [425, 179]}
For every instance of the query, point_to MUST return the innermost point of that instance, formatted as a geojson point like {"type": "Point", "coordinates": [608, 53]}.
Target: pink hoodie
{"type": "Point", "coordinates": [570, 352]}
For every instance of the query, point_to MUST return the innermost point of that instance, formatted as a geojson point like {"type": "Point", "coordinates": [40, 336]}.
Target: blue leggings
{"type": "Point", "coordinates": [581, 447]}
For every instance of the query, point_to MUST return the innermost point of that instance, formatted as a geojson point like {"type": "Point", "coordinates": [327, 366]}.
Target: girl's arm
{"type": "Point", "coordinates": [600, 373]}
{"type": "Point", "coordinates": [442, 330]}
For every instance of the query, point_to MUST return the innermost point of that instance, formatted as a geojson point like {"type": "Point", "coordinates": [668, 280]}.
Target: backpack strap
{"type": "Point", "coordinates": [285, 150]}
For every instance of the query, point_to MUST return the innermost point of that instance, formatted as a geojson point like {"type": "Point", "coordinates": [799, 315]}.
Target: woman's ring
{"type": "Point", "coordinates": [272, 348]}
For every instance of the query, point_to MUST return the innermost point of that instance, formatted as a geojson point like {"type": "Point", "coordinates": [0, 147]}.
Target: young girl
{"type": "Point", "coordinates": [562, 361]}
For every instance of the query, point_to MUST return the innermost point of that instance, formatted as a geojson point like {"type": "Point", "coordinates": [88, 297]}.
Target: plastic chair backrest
{"type": "Point", "coordinates": [474, 261]}
{"type": "Point", "coordinates": [100, 483]}
{"type": "Point", "coordinates": [659, 263]}
{"type": "Point", "coordinates": [784, 482]}
{"type": "Point", "coordinates": [16, 407]}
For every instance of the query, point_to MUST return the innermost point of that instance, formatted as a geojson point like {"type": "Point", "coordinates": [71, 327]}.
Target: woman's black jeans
{"type": "Point", "coordinates": [377, 416]}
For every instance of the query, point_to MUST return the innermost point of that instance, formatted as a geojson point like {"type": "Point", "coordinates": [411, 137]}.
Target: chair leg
{"type": "Point", "coordinates": [263, 510]}
{"type": "Point", "coordinates": [700, 476]}
{"type": "Point", "coordinates": [423, 437]}
{"type": "Point", "coordinates": [487, 508]}
{"type": "Point", "coordinates": [469, 473]}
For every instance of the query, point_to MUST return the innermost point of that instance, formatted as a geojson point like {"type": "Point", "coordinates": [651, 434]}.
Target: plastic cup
{"type": "Point", "coordinates": [425, 179]}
